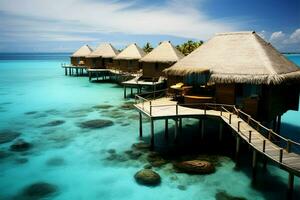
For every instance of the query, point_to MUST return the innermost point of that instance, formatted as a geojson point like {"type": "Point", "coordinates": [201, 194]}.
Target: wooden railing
{"type": "Point", "coordinates": [268, 134]}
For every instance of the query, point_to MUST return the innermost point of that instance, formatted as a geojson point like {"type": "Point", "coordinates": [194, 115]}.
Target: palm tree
{"type": "Point", "coordinates": [148, 47]}
{"type": "Point", "coordinates": [189, 46]}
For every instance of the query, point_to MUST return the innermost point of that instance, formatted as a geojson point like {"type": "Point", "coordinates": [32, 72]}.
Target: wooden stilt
{"type": "Point", "coordinates": [254, 162]}
{"type": "Point", "coordinates": [278, 124]}
{"type": "Point", "coordinates": [124, 92]}
{"type": "Point", "coordinates": [131, 92]}
{"type": "Point", "coordinates": [180, 125]}
{"type": "Point", "coordinates": [176, 131]}
{"type": "Point", "coordinates": [202, 129]}
{"type": "Point", "coordinates": [76, 71]}
{"type": "Point", "coordinates": [237, 150]}
{"type": "Point", "coordinates": [274, 123]}
{"type": "Point", "coordinates": [220, 131]}
{"type": "Point", "coordinates": [70, 71]}
{"type": "Point", "coordinates": [152, 135]}
{"type": "Point", "coordinates": [66, 72]}
{"type": "Point", "coordinates": [265, 161]}
{"type": "Point", "coordinates": [166, 129]}
{"type": "Point", "coordinates": [90, 76]}
{"type": "Point", "coordinates": [141, 125]}
{"type": "Point", "coordinates": [290, 186]}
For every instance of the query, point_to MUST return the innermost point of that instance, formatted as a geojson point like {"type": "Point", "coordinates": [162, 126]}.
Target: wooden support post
{"type": "Point", "coordinates": [229, 118]}
{"type": "Point", "coordinates": [152, 134]}
{"type": "Point", "coordinates": [141, 125]}
{"type": "Point", "coordinates": [66, 72]}
{"type": "Point", "coordinates": [202, 129]}
{"type": "Point", "coordinates": [180, 125]}
{"type": "Point", "coordinates": [278, 124]}
{"type": "Point", "coordinates": [131, 92]}
{"type": "Point", "coordinates": [70, 71]}
{"type": "Point", "coordinates": [254, 162]}
{"type": "Point", "coordinates": [176, 131]}
{"type": "Point", "coordinates": [90, 76]}
{"type": "Point", "coordinates": [166, 129]}
{"type": "Point", "coordinates": [76, 71]}
{"type": "Point", "coordinates": [290, 186]}
{"type": "Point", "coordinates": [237, 150]}
{"type": "Point", "coordinates": [124, 92]}
{"type": "Point", "coordinates": [220, 131]}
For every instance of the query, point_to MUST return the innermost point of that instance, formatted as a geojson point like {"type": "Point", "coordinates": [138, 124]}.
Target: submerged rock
{"type": "Point", "coordinates": [56, 161]}
{"type": "Point", "coordinates": [21, 160]}
{"type": "Point", "coordinates": [111, 151]}
{"type": "Point", "coordinates": [141, 146]}
{"type": "Point", "coordinates": [54, 123]}
{"type": "Point", "coordinates": [30, 113]}
{"type": "Point", "coordinates": [147, 177]}
{"type": "Point", "coordinates": [39, 190]}
{"type": "Point", "coordinates": [223, 195]}
{"type": "Point", "coordinates": [195, 167]}
{"type": "Point", "coordinates": [181, 187]}
{"type": "Point", "coordinates": [20, 145]}
{"type": "Point", "coordinates": [8, 136]}
{"type": "Point", "coordinates": [155, 159]}
{"type": "Point", "coordinates": [104, 106]}
{"type": "Point", "coordinates": [96, 123]}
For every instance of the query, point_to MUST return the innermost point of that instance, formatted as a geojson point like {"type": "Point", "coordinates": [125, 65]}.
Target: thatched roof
{"type": "Point", "coordinates": [132, 52]}
{"type": "Point", "coordinates": [165, 52]}
{"type": "Point", "coordinates": [105, 50]}
{"type": "Point", "coordinates": [239, 57]}
{"type": "Point", "coordinates": [83, 51]}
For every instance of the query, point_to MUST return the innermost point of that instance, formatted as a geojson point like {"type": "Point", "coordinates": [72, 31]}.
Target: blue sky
{"type": "Point", "coordinates": [64, 25]}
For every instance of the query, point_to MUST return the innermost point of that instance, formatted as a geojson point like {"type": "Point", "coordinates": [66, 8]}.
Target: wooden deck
{"type": "Point", "coordinates": [246, 128]}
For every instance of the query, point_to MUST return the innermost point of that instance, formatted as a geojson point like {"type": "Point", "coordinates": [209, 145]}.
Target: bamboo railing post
{"type": "Point", "coordinates": [150, 108]}
{"type": "Point", "coordinates": [264, 146]}
{"type": "Point", "coordinates": [250, 135]}
{"type": "Point", "coordinates": [280, 155]}
{"type": "Point", "coordinates": [230, 118]}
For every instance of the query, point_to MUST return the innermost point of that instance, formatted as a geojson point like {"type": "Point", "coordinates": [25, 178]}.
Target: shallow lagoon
{"type": "Point", "coordinates": [46, 107]}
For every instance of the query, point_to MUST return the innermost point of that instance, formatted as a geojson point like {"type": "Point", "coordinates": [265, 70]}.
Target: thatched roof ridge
{"type": "Point", "coordinates": [82, 51]}
{"type": "Point", "coordinates": [239, 57]}
{"type": "Point", "coordinates": [131, 52]}
{"type": "Point", "coordinates": [165, 52]}
{"type": "Point", "coordinates": [104, 50]}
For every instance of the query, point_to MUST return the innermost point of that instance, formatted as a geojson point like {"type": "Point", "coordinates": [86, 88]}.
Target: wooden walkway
{"type": "Point", "coordinates": [261, 139]}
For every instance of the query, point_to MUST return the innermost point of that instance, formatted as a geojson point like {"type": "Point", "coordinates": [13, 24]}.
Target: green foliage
{"type": "Point", "coordinates": [189, 46]}
{"type": "Point", "coordinates": [148, 47]}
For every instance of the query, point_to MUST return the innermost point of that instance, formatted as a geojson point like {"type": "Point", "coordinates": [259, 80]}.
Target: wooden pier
{"type": "Point", "coordinates": [109, 74]}
{"type": "Point", "coordinates": [139, 85]}
{"type": "Point", "coordinates": [261, 139]}
{"type": "Point", "coordinates": [72, 70]}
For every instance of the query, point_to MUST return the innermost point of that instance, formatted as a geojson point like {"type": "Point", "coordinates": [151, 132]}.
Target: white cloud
{"type": "Point", "coordinates": [276, 36]}
{"type": "Point", "coordinates": [295, 36]}
{"type": "Point", "coordinates": [176, 18]}
{"type": "Point", "coordinates": [286, 42]}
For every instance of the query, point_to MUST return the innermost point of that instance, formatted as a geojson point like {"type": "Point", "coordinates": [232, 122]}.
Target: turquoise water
{"type": "Point", "coordinates": [34, 92]}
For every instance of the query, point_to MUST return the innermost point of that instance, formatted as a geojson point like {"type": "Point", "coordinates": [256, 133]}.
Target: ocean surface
{"type": "Point", "coordinates": [67, 160]}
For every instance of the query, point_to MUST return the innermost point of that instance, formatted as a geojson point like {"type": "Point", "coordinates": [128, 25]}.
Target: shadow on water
{"type": "Point", "coordinates": [190, 143]}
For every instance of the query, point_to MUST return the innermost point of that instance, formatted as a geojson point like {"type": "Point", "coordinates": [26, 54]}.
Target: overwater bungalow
{"type": "Point", "coordinates": [78, 58]}
{"type": "Point", "coordinates": [160, 58]}
{"type": "Point", "coordinates": [128, 59]}
{"type": "Point", "coordinates": [102, 57]}
{"type": "Point", "coordinates": [153, 64]}
{"type": "Point", "coordinates": [242, 69]}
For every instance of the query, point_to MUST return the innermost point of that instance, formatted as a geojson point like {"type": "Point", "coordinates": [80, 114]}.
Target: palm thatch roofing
{"type": "Point", "coordinates": [238, 57]}
{"type": "Point", "coordinates": [131, 52]}
{"type": "Point", "coordinates": [82, 51]}
{"type": "Point", "coordinates": [105, 50]}
{"type": "Point", "coordinates": [165, 52]}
